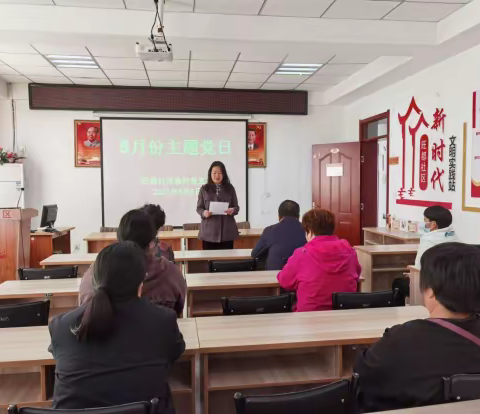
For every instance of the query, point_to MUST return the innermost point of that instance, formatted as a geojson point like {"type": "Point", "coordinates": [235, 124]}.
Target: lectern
{"type": "Point", "coordinates": [14, 240]}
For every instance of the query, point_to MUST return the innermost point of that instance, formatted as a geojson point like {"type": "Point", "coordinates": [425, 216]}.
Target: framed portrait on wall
{"type": "Point", "coordinates": [87, 144]}
{"type": "Point", "coordinates": [257, 144]}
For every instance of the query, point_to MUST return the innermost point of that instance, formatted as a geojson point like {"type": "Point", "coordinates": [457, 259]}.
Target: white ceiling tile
{"type": "Point", "coordinates": [46, 2]}
{"type": "Point", "coordinates": [168, 84]}
{"type": "Point", "coordinates": [126, 74]}
{"type": "Point", "coordinates": [61, 50]}
{"type": "Point", "coordinates": [116, 51]}
{"type": "Point", "coordinates": [174, 65]}
{"type": "Point", "coordinates": [23, 59]}
{"type": "Point", "coordinates": [140, 4]}
{"type": "Point", "coordinates": [442, 1]}
{"type": "Point", "coordinates": [297, 8]}
{"type": "Point", "coordinates": [310, 56]}
{"type": "Point", "coordinates": [263, 56]}
{"type": "Point", "coordinates": [209, 76]}
{"type": "Point", "coordinates": [211, 66]}
{"type": "Point", "coordinates": [248, 77]}
{"type": "Point", "coordinates": [167, 75]}
{"type": "Point", "coordinates": [82, 73]}
{"type": "Point", "coordinates": [243, 85]}
{"type": "Point", "coordinates": [284, 86]}
{"type": "Point", "coordinates": [255, 67]}
{"type": "Point", "coordinates": [120, 63]}
{"type": "Point", "coordinates": [354, 57]}
{"type": "Point", "coordinates": [15, 78]}
{"type": "Point", "coordinates": [205, 84]}
{"type": "Point", "coordinates": [365, 10]}
{"type": "Point", "coordinates": [50, 79]}
{"type": "Point", "coordinates": [16, 48]}
{"type": "Point", "coordinates": [130, 82]}
{"type": "Point", "coordinates": [176, 6]}
{"type": "Point", "coordinates": [104, 4]}
{"type": "Point", "coordinates": [181, 52]}
{"type": "Point", "coordinates": [326, 79]}
{"type": "Point", "coordinates": [38, 70]}
{"type": "Point", "coordinates": [422, 12]}
{"type": "Point", "coordinates": [225, 55]}
{"type": "Point", "coordinates": [341, 69]}
{"type": "Point", "coordinates": [228, 6]}
{"type": "Point", "coordinates": [295, 79]}
{"type": "Point", "coordinates": [313, 87]}
{"type": "Point", "coordinates": [6, 70]}
{"type": "Point", "coordinates": [91, 81]}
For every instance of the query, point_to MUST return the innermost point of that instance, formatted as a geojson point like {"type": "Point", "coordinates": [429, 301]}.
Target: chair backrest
{"type": "Point", "coordinates": [67, 272]}
{"type": "Point", "coordinates": [108, 229]}
{"type": "Point", "coordinates": [258, 304]}
{"type": "Point", "coordinates": [166, 228]}
{"type": "Point", "coordinates": [382, 299]}
{"type": "Point", "coordinates": [461, 387]}
{"type": "Point", "coordinates": [24, 314]}
{"type": "Point", "coordinates": [247, 265]}
{"type": "Point", "coordinates": [335, 398]}
{"type": "Point", "coordinates": [191, 226]}
{"type": "Point", "coordinates": [243, 225]}
{"type": "Point", "coordinates": [132, 408]}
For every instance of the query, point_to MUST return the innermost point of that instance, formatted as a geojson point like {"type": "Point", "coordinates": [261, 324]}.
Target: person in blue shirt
{"type": "Point", "coordinates": [278, 242]}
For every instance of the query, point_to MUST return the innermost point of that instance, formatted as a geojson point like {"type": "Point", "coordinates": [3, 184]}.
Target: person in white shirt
{"type": "Point", "coordinates": [438, 224]}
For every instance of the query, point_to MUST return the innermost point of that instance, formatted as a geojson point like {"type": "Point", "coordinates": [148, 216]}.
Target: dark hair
{"type": "Point", "coordinates": [117, 273]}
{"type": "Point", "coordinates": [439, 215]}
{"type": "Point", "coordinates": [220, 164]}
{"type": "Point", "coordinates": [137, 226]}
{"type": "Point", "coordinates": [289, 208]}
{"type": "Point", "coordinates": [156, 213]}
{"type": "Point", "coordinates": [319, 222]}
{"type": "Point", "coordinates": [452, 271]}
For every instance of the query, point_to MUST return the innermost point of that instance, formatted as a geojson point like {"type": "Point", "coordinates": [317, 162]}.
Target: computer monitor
{"type": "Point", "coordinates": [49, 216]}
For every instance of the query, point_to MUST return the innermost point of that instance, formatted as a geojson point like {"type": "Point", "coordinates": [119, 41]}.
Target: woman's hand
{"type": "Point", "coordinates": [230, 211]}
{"type": "Point", "coordinates": [207, 214]}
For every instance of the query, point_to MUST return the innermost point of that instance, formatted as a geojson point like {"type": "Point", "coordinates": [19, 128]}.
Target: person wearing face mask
{"type": "Point", "coordinates": [439, 229]}
{"type": "Point", "coordinates": [217, 231]}
{"type": "Point", "coordinates": [326, 264]}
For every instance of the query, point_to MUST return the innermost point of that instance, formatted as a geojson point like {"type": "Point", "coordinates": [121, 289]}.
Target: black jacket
{"type": "Point", "coordinates": [405, 368]}
{"type": "Point", "coordinates": [278, 242]}
{"type": "Point", "coordinates": [132, 365]}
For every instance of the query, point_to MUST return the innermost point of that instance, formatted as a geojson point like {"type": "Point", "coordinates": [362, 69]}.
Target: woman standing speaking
{"type": "Point", "coordinates": [217, 231]}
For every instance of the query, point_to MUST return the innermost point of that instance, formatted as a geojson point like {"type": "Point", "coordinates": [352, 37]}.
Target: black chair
{"type": "Point", "coordinates": [24, 314]}
{"type": "Point", "coordinates": [132, 408]}
{"type": "Point", "coordinates": [336, 398]}
{"type": "Point", "coordinates": [383, 299]}
{"type": "Point", "coordinates": [258, 304]}
{"type": "Point", "coordinates": [461, 387]}
{"type": "Point", "coordinates": [108, 229]}
{"type": "Point", "coordinates": [248, 265]}
{"type": "Point", "coordinates": [67, 272]}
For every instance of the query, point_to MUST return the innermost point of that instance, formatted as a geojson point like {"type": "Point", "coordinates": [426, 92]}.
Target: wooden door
{"type": "Point", "coordinates": [369, 184]}
{"type": "Point", "coordinates": [339, 193]}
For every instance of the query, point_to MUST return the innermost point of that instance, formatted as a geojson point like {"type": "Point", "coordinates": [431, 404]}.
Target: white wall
{"type": "Point", "coordinates": [52, 178]}
{"type": "Point", "coordinates": [448, 85]}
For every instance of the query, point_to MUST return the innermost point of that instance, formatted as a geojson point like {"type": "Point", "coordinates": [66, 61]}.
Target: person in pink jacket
{"type": "Point", "coordinates": [326, 264]}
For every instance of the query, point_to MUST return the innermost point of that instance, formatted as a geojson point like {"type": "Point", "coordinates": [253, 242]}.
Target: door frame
{"type": "Point", "coordinates": [362, 123]}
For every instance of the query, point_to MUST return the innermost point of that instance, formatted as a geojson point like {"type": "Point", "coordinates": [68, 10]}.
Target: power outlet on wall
{"type": "Point", "coordinates": [76, 248]}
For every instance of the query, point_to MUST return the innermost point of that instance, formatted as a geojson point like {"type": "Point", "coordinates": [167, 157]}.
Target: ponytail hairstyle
{"type": "Point", "coordinates": [117, 274]}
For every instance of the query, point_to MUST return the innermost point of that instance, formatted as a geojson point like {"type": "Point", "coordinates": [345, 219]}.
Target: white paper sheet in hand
{"type": "Point", "coordinates": [218, 208]}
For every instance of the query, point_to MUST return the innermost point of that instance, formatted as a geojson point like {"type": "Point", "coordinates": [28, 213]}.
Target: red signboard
{"type": "Point", "coordinates": [423, 162]}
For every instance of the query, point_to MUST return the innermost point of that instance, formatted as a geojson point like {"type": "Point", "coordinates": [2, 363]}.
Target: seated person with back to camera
{"type": "Point", "coordinates": [164, 283]}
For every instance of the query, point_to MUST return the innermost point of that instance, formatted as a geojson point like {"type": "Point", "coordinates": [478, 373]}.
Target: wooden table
{"type": "Point", "coordinates": [464, 407]}
{"type": "Point", "coordinates": [283, 352]}
{"type": "Point", "coordinates": [44, 244]}
{"type": "Point", "coordinates": [248, 239]}
{"type": "Point", "coordinates": [381, 264]}
{"type": "Point", "coordinates": [382, 235]}
{"type": "Point", "coordinates": [205, 290]}
{"type": "Point", "coordinates": [26, 368]}
{"type": "Point", "coordinates": [416, 297]}
{"type": "Point", "coordinates": [62, 293]}
{"type": "Point", "coordinates": [96, 242]}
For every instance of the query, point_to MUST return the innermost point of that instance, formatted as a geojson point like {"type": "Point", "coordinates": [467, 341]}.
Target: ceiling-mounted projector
{"type": "Point", "coordinates": [159, 49]}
